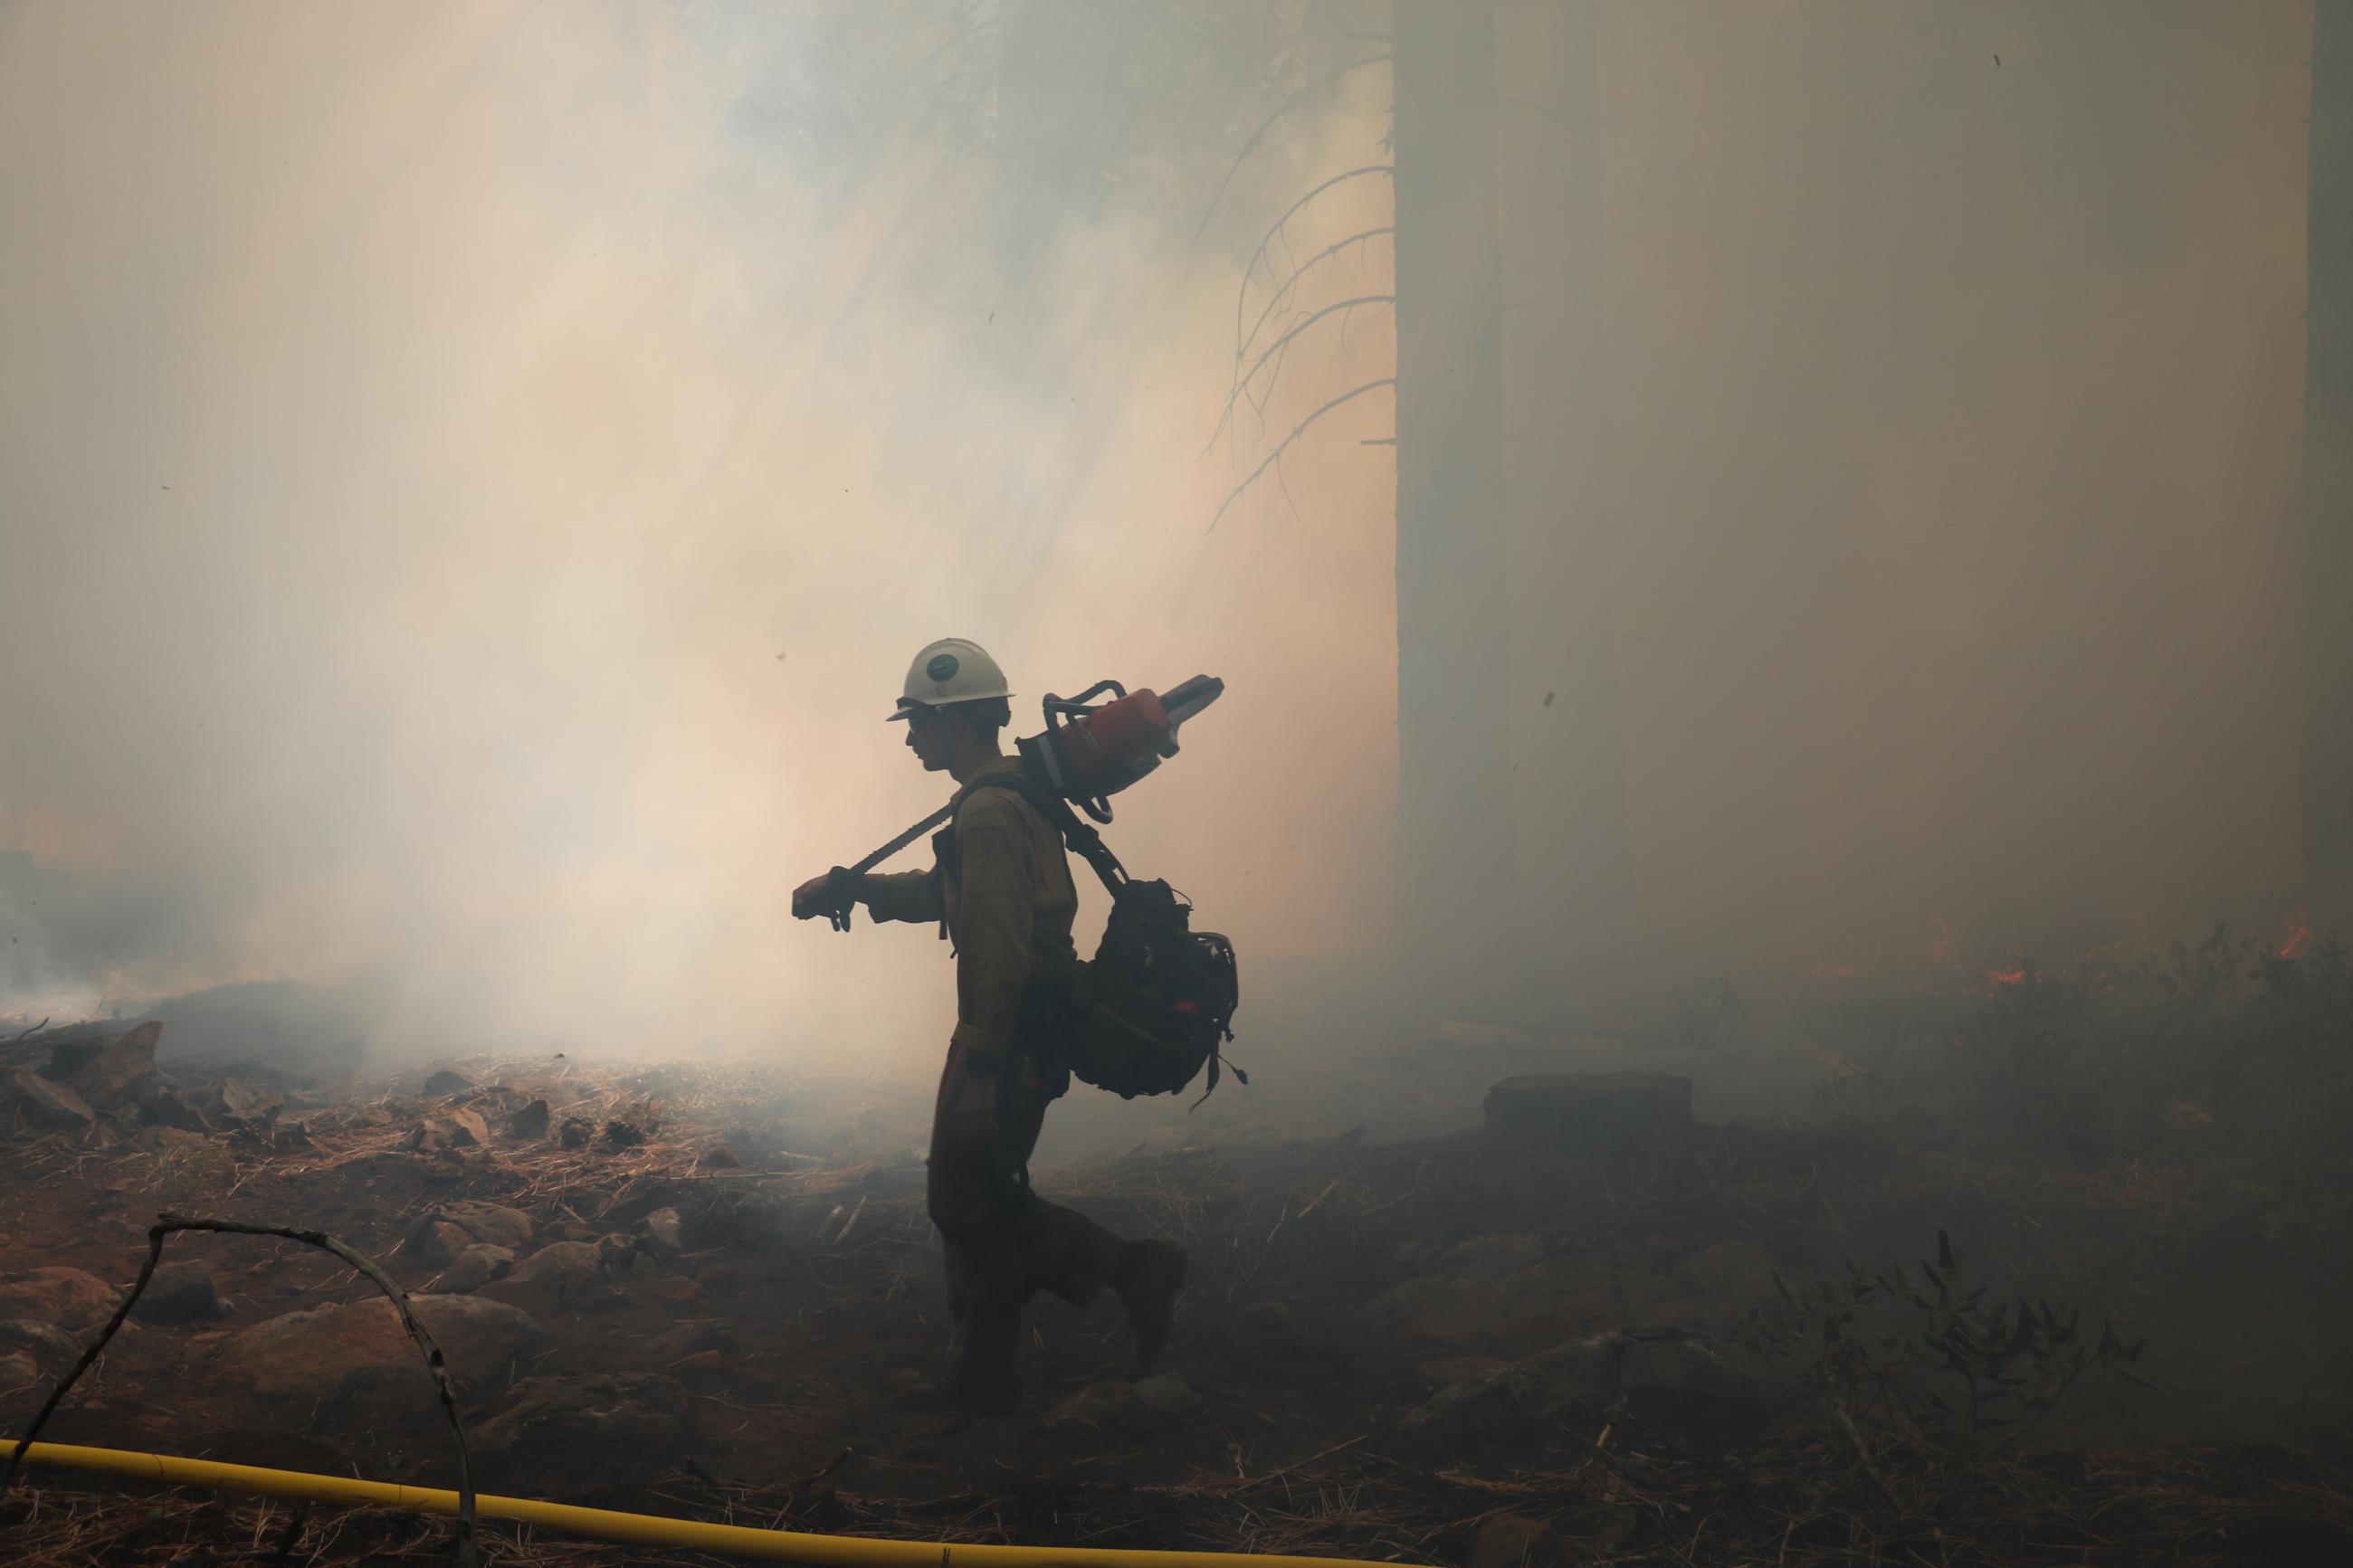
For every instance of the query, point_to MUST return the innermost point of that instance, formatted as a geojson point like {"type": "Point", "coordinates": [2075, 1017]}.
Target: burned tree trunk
{"type": "Point", "coordinates": [1573, 856]}
{"type": "Point", "coordinates": [1454, 790]}
{"type": "Point", "coordinates": [2329, 473]}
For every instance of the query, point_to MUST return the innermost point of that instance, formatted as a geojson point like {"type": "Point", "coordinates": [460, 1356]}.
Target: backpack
{"type": "Point", "coordinates": [1157, 1002]}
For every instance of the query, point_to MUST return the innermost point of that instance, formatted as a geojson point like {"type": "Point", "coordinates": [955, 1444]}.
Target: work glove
{"type": "Point", "coordinates": [833, 895]}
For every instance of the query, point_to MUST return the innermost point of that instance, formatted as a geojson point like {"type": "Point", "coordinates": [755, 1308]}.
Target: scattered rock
{"type": "Point", "coordinates": [1514, 1540]}
{"type": "Point", "coordinates": [677, 1287]}
{"type": "Point", "coordinates": [242, 1100]}
{"type": "Point", "coordinates": [291, 1138]}
{"type": "Point", "coordinates": [576, 1133]}
{"type": "Point", "coordinates": [67, 1297]}
{"type": "Point", "coordinates": [447, 1081]}
{"type": "Point", "coordinates": [563, 1270]}
{"type": "Point", "coordinates": [18, 1371]}
{"type": "Point", "coordinates": [45, 1342]}
{"type": "Point", "coordinates": [666, 1229]}
{"type": "Point", "coordinates": [443, 1232]}
{"type": "Point", "coordinates": [180, 1293]}
{"type": "Point", "coordinates": [309, 1357]}
{"type": "Point", "coordinates": [623, 1134]}
{"type": "Point", "coordinates": [47, 1104]}
{"type": "Point", "coordinates": [458, 1128]}
{"type": "Point", "coordinates": [718, 1157]}
{"type": "Point", "coordinates": [1603, 1112]}
{"type": "Point", "coordinates": [166, 1109]}
{"type": "Point", "coordinates": [116, 1071]}
{"type": "Point", "coordinates": [603, 1429]}
{"type": "Point", "coordinates": [530, 1121]}
{"type": "Point", "coordinates": [476, 1266]}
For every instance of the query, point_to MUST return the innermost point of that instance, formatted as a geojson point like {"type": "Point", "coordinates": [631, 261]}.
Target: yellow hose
{"type": "Point", "coordinates": [638, 1528]}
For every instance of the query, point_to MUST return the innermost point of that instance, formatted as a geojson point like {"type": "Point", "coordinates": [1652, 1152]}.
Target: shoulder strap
{"type": "Point", "coordinates": [1081, 837]}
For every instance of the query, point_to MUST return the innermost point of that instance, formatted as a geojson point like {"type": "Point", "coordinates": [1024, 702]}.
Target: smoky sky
{"type": "Point", "coordinates": [471, 479]}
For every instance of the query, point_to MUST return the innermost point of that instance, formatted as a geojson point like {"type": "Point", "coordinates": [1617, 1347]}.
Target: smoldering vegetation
{"type": "Point", "coordinates": [1790, 983]}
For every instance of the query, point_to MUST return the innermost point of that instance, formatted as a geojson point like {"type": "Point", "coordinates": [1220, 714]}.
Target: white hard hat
{"type": "Point", "coordinates": [951, 670]}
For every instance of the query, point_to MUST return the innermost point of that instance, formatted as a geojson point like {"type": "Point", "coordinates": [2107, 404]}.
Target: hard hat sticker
{"type": "Point", "coordinates": [941, 668]}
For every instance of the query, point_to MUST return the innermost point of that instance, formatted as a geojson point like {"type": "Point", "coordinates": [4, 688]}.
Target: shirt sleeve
{"type": "Point", "coordinates": [902, 895]}
{"type": "Point", "coordinates": [996, 919]}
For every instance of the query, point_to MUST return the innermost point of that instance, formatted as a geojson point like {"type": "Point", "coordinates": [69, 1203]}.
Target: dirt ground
{"type": "Point", "coordinates": [710, 1306]}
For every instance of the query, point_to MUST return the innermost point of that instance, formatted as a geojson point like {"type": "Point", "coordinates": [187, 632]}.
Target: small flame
{"type": "Point", "coordinates": [2006, 977]}
{"type": "Point", "coordinates": [2299, 936]}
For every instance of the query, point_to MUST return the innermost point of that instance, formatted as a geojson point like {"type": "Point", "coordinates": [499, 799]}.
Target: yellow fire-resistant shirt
{"type": "Point", "coordinates": [1006, 898]}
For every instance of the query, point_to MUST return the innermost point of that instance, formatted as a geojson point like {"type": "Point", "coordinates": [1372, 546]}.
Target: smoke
{"type": "Point", "coordinates": [474, 482]}
{"type": "Point", "coordinates": [471, 483]}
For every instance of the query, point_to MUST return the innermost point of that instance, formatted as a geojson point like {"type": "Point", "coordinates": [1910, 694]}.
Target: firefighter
{"type": "Point", "coordinates": [1000, 890]}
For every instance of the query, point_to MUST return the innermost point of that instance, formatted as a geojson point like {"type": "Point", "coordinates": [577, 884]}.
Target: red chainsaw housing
{"type": "Point", "coordinates": [1105, 749]}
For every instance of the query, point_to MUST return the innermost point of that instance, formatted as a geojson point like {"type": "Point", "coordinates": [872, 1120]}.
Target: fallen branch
{"type": "Point", "coordinates": [434, 1360]}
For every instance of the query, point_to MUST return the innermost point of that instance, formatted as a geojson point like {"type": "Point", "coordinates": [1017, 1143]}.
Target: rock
{"type": "Point", "coordinates": [1732, 1274]}
{"type": "Point", "coordinates": [166, 1109]}
{"type": "Point", "coordinates": [180, 1293]}
{"type": "Point", "coordinates": [603, 1429]}
{"type": "Point", "coordinates": [291, 1138]}
{"type": "Point", "coordinates": [1606, 1112]}
{"type": "Point", "coordinates": [666, 1229]}
{"type": "Point", "coordinates": [447, 1081]}
{"type": "Point", "coordinates": [475, 1267]}
{"type": "Point", "coordinates": [443, 1232]}
{"type": "Point", "coordinates": [305, 1357]}
{"type": "Point", "coordinates": [116, 1071]}
{"type": "Point", "coordinates": [530, 1121]}
{"type": "Point", "coordinates": [1672, 1382]}
{"type": "Point", "coordinates": [493, 1223]}
{"type": "Point", "coordinates": [66, 1297]}
{"type": "Point", "coordinates": [245, 1101]}
{"type": "Point", "coordinates": [45, 1342]}
{"type": "Point", "coordinates": [564, 1270]}
{"type": "Point", "coordinates": [1513, 1541]}
{"type": "Point", "coordinates": [458, 1129]}
{"type": "Point", "coordinates": [677, 1287]}
{"type": "Point", "coordinates": [623, 1134]}
{"type": "Point", "coordinates": [1113, 1405]}
{"type": "Point", "coordinates": [718, 1157]}
{"type": "Point", "coordinates": [576, 1133]}
{"type": "Point", "coordinates": [17, 1371]}
{"type": "Point", "coordinates": [47, 1104]}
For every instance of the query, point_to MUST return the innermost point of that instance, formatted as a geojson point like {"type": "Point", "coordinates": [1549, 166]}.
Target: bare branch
{"type": "Point", "coordinates": [434, 1360]}
{"type": "Point", "coordinates": [1243, 382]}
{"type": "Point", "coordinates": [1288, 441]}
{"type": "Point", "coordinates": [1259, 135]}
{"type": "Point", "coordinates": [28, 1034]}
{"type": "Point", "coordinates": [1242, 341]}
{"type": "Point", "coordinates": [1250, 269]}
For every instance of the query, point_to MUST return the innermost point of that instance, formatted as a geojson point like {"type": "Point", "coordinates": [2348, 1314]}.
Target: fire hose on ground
{"type": "Point", "coordinates": [635, 1529]}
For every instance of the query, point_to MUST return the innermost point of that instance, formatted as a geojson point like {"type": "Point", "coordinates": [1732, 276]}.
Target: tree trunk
{"type": "Point", "coordinates": [1573, 856]}
{"type": "Point", "coordinates": [2328, 474]}
{"type": "Point", "coordinates": [1454, 790]}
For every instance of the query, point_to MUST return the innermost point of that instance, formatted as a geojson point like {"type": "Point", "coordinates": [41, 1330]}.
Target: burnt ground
{"type": "Point", "coordinates": [1403, 1343]}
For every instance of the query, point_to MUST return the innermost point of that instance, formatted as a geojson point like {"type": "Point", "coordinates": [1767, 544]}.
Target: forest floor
{"type": "Point", "coordinates": [1448, 1347]}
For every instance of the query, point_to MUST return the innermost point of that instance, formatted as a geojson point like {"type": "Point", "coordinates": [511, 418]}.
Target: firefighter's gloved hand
{"type": "Point", "coordinates": [834, 894]}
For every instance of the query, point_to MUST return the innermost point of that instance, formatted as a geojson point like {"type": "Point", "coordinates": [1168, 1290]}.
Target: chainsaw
{"type": "Point", "coordinates": [1093, 745]}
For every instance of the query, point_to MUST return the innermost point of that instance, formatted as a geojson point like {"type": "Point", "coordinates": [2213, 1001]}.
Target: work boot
{"type": "Point", "coordinates": [1150, 1277]}
{"type": "Point", "coordinates": [969, 1391]}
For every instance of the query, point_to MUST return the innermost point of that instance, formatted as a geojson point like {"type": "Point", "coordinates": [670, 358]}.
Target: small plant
{"type": "Point", "coordinates": [1927, 1357]}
